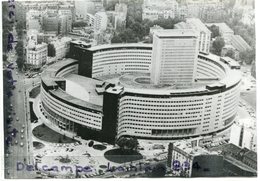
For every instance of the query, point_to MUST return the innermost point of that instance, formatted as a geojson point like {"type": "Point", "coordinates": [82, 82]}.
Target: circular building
{"type": "Point", "coordinates": [105, 92]}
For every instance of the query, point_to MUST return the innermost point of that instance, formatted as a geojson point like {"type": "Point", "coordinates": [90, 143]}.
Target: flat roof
{"type": "Point", "coordinates": [128, 81]}
{"type": "Point", "coordinates": [198, 24]}
{"type": "Point", "coordinates": [176, 33]}
{"type": "Point", "coordinates": [49, 74]}
{"type": "Point", "coordinates": [49, 77]}
{"type": "Point", "coordinates": [120, 45]}
{"type": "Point", "coordinates": [241, 42]}
{"type": "Point", "coordinates": [231, 61]}
{"type": "Point", "coordinates": [186, 147]}
{"type": "Point", "coordinates": [222, 26]}
{"type": "Point", "coordinates": [88, 85]}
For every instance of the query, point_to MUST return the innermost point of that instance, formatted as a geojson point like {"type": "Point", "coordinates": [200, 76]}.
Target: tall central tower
{"type": "Point", "coordinates": [174, 57]}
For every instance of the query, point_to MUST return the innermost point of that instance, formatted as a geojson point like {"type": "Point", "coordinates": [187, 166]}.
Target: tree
{"type": "Point", "coordinates": [51, 50]}
{"type": "Point", "coordinates": [214, 30]}
{"type": "Point", "coordinates": [127, 143]}
{"type": "Point", "coordinates": [116, 39]}
{"type": "Point", "coordinates": [159, 170]}
{"type": "Point", "coordinates": [218, 44]}
{"type": "Point", "coordinates": [247, 56]}
{"type": "Point", "coordinates": [4, 57]}
{"type": "Point", "coordinates": [20, 62]}
{"type": "Point", "coordinates": [230, 53]}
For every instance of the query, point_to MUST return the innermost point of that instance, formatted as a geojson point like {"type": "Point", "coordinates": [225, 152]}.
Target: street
{"type": "Point", "coordinates": [21, 148]}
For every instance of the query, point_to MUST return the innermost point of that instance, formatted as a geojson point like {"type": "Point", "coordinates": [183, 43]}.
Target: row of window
{"type": "Point", "coordinates": [68, 115]}
{"type": "Point", "coordinates": [158, 101]}
{"type": "Point", "coordinates": [159, 121]}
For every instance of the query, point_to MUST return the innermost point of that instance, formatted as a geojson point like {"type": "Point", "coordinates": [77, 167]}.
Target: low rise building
{"type": "Point", "coordinates": [186, 159]}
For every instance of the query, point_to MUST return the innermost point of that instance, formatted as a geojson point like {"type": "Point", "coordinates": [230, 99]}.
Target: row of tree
{"type": "Point", "coordinates": [7, 27]}
{"type": "Point", "coordinates": [20, 27]}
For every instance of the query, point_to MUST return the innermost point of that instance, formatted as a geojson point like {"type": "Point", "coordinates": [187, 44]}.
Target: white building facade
{"type": "Point", "coordinates": [61, 47]}
{"type": "Point", "coordinates": [37, 54]}
{"type": "Point", "coordinates": [174, 58]}
{"type": "Point", "coordinates": [100, 23]}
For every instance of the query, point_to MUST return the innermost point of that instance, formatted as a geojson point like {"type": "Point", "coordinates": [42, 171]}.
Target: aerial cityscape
{"type": "Point", "coordinates": [129, 89]}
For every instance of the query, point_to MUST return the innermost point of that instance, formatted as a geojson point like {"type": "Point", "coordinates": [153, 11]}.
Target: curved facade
{"type": "Point", "coordinates": [208, 107]}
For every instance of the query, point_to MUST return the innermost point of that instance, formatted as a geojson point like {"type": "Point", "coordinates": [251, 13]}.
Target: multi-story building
{"type": "Point", "coordinates": [225, 31]}
{"type": "Point", "coordinates": [33, 20]}
{"type": "Point", "coordinates": [186, 159]}
{"type": "Point", "coordinates": [65, 24]}
{"type": "Point", "coordinates": [208, 10]}
{"type": "Point", "coordinates": [120, 16]}
{"type": "Point", "coordinates": [36, 54]}
{"type": "Point", "coordinates": [154, 28]}
{"type": "Point", "coordinates": [84, 7]}
{"type": "Point", "coordinates": [51, 23]}
{"type": "Point", "coordinates": [46, 37]}
{"type": "Point", "coordinates": [131, 105]}
{"type": "Point", "coordinates": [204, 32]}
{"type": "Point", "coordinates": [174, 59]}
{"type": "Point", "coordinates": [155, 9]}
{"type": "Point", "coordinates": [100, 23]}
{"type": "Point", "coordinates": [239, 43]}
{"type": "Point", "coordinates": [32, 35]}
{"type": "Point", "coordinates": [238, 161]}
{"type": "Point", "coordinates": [62, 47]}
{"type": "Point", "coordinates": [90, 19]}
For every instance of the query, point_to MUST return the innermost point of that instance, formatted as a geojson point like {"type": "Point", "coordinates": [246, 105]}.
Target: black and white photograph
{"type": "Point", "coordinates": [128, 89]}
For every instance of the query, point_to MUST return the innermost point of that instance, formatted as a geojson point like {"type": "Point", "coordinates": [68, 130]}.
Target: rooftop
{"type": "Point", "coordinates": [222, 27]}
{"type": "Point", "coordinates": [86, 88]}
{"type": "Point", "coordinates": [49, 75]}
{"type": "Point", "coordinates": [230, 61]}
{"type": "Point", "coordinates": [182, 25]}
{"type": "Point", "coordinates": [120, 45]}
{"type": "Point", "coordinates": [197, 24]}
{"type": "Point", "coordinates": [143, 86]}
{"type": "Point", "coordinates": [243, 44]}
{"type": "Point", "coordinates": [176, 33]}
{"type": "Point", "coordinates": [186, 147]}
